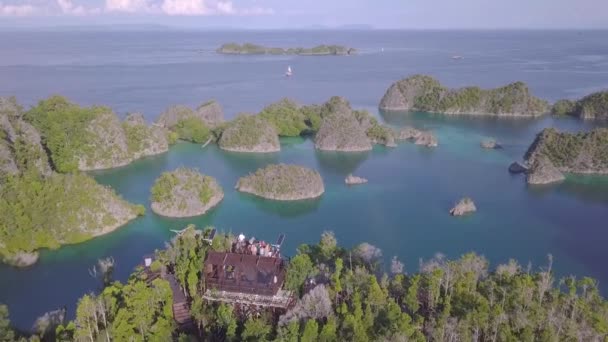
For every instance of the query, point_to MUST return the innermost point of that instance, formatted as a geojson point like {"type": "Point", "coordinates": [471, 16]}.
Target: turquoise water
{"type": "Point", "coordinates": [404, 207]}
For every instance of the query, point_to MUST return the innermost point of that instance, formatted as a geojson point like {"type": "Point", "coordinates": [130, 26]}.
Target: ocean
{"type": "Point", "coordinates": [403, 209]}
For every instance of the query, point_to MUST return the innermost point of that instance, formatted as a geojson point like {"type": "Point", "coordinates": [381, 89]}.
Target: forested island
{"type": "Point", "coordinates": [553, 153]}
{"type": "Point", "coordinates": [253, 49]}
{"type": "Point", "coordinates": [593, 106]}
{"type": "Point", "coordinates": [341, 295]}
{"type": "Point", "coordinates": [191, 125]}
{"type": "Point", "coordinates": [283, 182]}
{"type": "Point", "coordinates": [44, 201]}
{"type": "Point", "coordinates": [425, 94]}
{"type": "Point", "coordinates": [185, 193]}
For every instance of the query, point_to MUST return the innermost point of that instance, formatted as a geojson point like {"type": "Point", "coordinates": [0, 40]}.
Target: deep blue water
{"type": "Point", "coordinates": [402, 210]}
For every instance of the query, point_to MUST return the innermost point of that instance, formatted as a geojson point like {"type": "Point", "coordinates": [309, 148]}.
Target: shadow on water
{"type": "Point", "coordinates": [341, 163]}
{"type": "Point", "coordinates": [587, 188]}
{"type": "Point", "coordinates": [283, 209]}
{"type": "Point", "coordinates": [248, 162]}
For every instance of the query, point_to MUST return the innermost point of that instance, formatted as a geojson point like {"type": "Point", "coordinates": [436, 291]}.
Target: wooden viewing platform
{"type": "Point", "coordinates": [244, 273]}
{"type": "Point", "coordinates": [282, 299]}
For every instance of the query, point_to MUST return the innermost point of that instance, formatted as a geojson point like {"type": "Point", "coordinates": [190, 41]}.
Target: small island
{"type": "Point", "coordinates": [253, 49]}
{"type": "Point", "coordinates": [283, 182]}
{"type": "Point", "coordinates": [490, 144]}
{"type": "Point", "coordinates": [92, 138]}
{"type": "Point", "coordinates": [425, 94]}
{"type": "Point", "coordinates": [354, 180]}
{"type": "Point", "coordinates": [424, 138]}
{"type": "Point", "coordinates": [593, 106]}
{"type": "Point", "coordinates": [191, 125]}
{"type": "Point", "coordinates": [185, 193]}
{"type": "Point", "coordinates": [249, 133]}
{"type": "Point", "coordinates": [583, 152]}
{"type": "Point", "coordinates": [340, 129]}
{"type": "Point", "coordinates": [343, 129]}
{"type": "Point", "coordinates": [463, 207]}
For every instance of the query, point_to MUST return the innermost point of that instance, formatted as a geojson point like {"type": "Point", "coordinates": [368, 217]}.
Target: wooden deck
{"type": "Point", "coordinates": [181, 307]}
{"type": "Point", "coordinates": [282, 299]}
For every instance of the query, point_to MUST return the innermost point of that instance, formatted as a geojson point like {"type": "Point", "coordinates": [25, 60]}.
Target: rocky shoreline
{"type": "Point", "coordinates": [354, 180]}
{"type": "Point", "coordinates": [185, 193]}
{"type": "Point", "coordinates": [283, 182]}
{"type": "Point", "coordinates": [463, 207]}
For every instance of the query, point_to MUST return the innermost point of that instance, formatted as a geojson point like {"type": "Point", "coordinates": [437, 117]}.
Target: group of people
{"type": "Point", "coordinates": [254, 247]}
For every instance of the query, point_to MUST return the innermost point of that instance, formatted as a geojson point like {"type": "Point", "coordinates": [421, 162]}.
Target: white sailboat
{"type": "Point", "coordinates": [288, 73]}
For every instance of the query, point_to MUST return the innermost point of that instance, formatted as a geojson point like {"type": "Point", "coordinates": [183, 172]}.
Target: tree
{"type": "Point", "coordinates": [328, 332]}
{"type": "Point", "coordinates": [6, 333]}
{"type": "Point", "coordinates": [256, 329]}
{"type": "Point", "coordinates": [327, 245]}
{"type": "Point", "coordinates": [226, 321]}
{"type": "Point", "coordinates": [289, 332]}
{"type": "Point", "coordinates": [311, 331]}
{"type": "Point", "coordinates": [298, 270]}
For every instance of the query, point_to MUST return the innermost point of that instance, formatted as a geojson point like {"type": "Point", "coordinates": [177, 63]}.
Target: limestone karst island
{"type": "Point", "coordinates": [312, 171]}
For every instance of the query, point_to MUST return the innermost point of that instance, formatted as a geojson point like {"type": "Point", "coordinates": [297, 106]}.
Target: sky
{"type": "Point", "coordinates": [281, 14]}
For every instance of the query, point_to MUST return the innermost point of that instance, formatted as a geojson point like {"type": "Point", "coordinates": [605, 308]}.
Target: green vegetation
{"type": "Point", "coordinates": [137, 137]}
{"type": "Point", "coordinates": [184, 192]}
{"type": "Point", "coordinates": [63, 126]}
{"type": "Point", "coordinates": [354, 299]}
{"type": "Point", "coordinates": [133, 311]}
{"type": "Point", "coordinates": [283, 182]}
{"type": "Point", "coordinates": [572, 152]}
{"type": "Point", "coordinates": [564, 107]}
{"type": "Point", "coordinates": [286, 117]}
{"type": "Point", "coordinates": [424, 93]}
{"type": "Point", "coordinates": [593, 106]}
{"type": "Point", "coordinates": [193, 129]}
{"type": "Point", "coordinates": [375, 131]}
{"type": "Point", "coordinates": [6, 334]}
{"type": "Point", "coordinates": [43, 209]}
{"type": "Point", "coordinates": [249, 132]}
{"type": "Point", "coordinates": [253, 49]}
{"type": "Point", "coordinates": [163, 189]}
{"type": "Point", "coordinates": [61, 209]}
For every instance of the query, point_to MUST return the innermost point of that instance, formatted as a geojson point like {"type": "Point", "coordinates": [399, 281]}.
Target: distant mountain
{"type": "Point", "coordinates": [355, 27]}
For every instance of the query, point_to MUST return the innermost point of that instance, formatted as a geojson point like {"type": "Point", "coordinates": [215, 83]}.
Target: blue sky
{"type": "Point", "coordinates": [410, 14]}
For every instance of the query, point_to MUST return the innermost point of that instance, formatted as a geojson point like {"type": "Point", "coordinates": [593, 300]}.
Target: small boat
{"type": "Point", "coordinates": [457, 57]}
{"type": "Point", "coordinates": [288, 73]}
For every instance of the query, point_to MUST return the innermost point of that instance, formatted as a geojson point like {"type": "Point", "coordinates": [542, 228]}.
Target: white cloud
{"type": "Point", "coordinates": [16, 10]}
{"type": "Point", "coordinates": [166, 7]}
{"type": "Point", "coordinates": [130, 6]}
{"type": "Point", "coordinates": [68, 7]}
{"type": "Point", "coordinates": [225, 7]}
{"type": "Point", "coordinates": [185, 7]}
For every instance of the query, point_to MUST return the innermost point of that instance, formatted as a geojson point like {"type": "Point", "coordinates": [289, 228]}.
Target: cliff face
{"type": "Point", "coordinates": [424, 93]}
{"type": "Point", "coordinates": [185, 193]}
{"type": "Point", "coordinates": [210, 113]}
{"type": "Point", "coordinates": [106, 146]}
{"type": "Point", "coordinates": [143, 140]}
{"type": "Point", "coordinates": [91, 138]}
{"type": "Point", "coordinates": [20, 145]}
{"type": "Point", "coordinates": [283, 182]}
{"type": "Point", "coordinates": [584, 152]}
{"type": "Point", "coordinates": [340, 129]}
{"type": "Point", "coordinates": [249, 133]}
{"type": "Point", "coordinates": [593, 106]}
{"type": "Point", "coordinates": [41, 208]}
